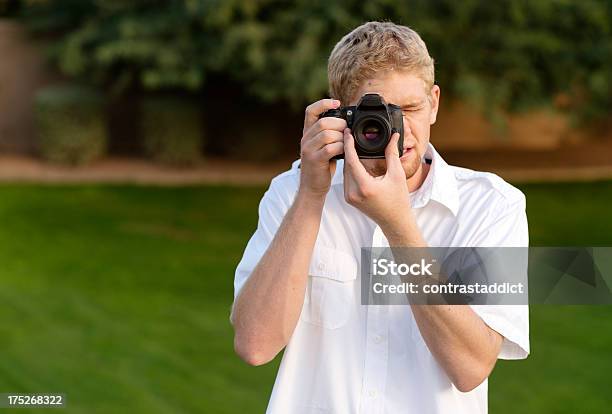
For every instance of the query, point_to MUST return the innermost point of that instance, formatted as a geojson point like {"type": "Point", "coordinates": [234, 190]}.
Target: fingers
{"type": "Point", "coordinates": [392, 156]}
{"type": "Point", "coordinates": [336, 124]}
{"type": "Point", "coordinates": [357, 181]}
{"type": "Point", "coordinates": [351, 159]}
{"type": "Point", "coordinates": [391, 149]}
{"type": "Point", "coordinates": [323, 132]}
{"type": "Point", "coordinates": [329, 151]}
{"type": "Point", "coordinates": [322, 139]}
{"type": "Point", "coordinates": [315, 109]}
{"type": "Point", "coordinates": [350, 154]}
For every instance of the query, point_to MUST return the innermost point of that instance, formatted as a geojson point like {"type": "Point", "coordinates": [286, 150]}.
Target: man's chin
{"type": "Point", "coordinates": [411, 162]}
{"type": "Point", "coordinates": [377, 167]}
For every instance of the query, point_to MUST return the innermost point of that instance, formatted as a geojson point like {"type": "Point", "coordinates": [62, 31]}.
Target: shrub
{"type": "Point", "coordinates": [172, 130]}
{"type": "Point", "coordinates": [71, 124]}
{"type": "Point", "coordinates": [508, 56]}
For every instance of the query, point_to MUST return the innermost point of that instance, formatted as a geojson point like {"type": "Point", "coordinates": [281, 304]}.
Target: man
{"type": "Point", "coordinates": [297, 286]}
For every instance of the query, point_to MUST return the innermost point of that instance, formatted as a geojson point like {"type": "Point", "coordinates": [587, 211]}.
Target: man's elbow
{"type": "Point", "coordinates": [252, 354]}
{"type": "Point", "coordinates": [254, 359]}
{"type": "Point", "coordinates": [471, 379]}
{"type": "Point", "coordinates": [253, 346]}
{"type": "Point", "coordinates": [465, 384]}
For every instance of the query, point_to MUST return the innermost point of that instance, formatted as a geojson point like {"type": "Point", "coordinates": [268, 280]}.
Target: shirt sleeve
{"type": "Point", "coordinates": [272, 209]}
{"type": "Point", "coordinates": [509, 229]}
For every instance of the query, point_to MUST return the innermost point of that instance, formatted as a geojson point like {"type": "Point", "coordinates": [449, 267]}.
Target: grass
{"type": "Point", "coordinates": [119, 297]}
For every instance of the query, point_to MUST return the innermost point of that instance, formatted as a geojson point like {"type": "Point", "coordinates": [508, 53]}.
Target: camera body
{"type": "Point", "coordinates": [372, 122]}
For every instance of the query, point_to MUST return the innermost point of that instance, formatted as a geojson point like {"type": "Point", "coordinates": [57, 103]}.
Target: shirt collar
{"type": "Point", "coordinates": [440, 185]}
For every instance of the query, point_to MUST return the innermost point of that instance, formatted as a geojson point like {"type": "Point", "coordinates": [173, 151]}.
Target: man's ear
{"type": "Point", "coordinates": [434, 100]}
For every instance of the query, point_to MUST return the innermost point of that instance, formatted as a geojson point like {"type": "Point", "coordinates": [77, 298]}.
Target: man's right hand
{"type": "Point", "coordinates": [322, 140]}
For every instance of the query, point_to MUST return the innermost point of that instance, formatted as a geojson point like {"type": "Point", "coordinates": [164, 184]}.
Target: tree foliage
{"type": "Point", "coordinates": [503, 54]}
{"type": "Point", "coordinates": [70, 124]}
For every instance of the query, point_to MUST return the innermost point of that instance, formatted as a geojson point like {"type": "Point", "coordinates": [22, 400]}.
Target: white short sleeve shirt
{"type": "Point", "coordinates": [345, 357]}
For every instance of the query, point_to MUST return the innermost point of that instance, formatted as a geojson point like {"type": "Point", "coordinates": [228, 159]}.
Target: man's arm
{"type": "Point", "coordinates": [268, 306]}
{"type": "Point", "coordinates": [461, 342]}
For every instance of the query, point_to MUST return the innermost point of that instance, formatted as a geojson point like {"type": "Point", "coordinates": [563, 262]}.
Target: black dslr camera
{"type": "Point", "coordinates": [372, 122]}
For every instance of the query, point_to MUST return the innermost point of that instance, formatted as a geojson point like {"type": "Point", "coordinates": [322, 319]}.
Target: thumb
{"type": "Point", "coordinates": [392, 154]}
{"type": "Point", "coordinates": [391, 149]}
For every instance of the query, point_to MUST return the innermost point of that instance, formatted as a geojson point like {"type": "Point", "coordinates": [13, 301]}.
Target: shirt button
{"type": "Point", "coordinates": [372, 393]}
{"type": "Point", "coordinates": [378, 339]}
{"type": "Point", "coordinates": [321, 266]}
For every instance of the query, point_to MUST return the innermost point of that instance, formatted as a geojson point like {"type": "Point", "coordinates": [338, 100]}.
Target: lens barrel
{"type": "Point", "coordinates": [372, 133]}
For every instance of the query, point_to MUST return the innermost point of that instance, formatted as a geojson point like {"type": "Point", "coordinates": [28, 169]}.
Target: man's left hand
{"type": "Point", "coordinates": [385, 199]}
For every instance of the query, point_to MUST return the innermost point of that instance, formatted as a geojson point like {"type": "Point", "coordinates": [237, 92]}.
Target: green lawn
{"type": "Point", "coordinates": [119, 296]}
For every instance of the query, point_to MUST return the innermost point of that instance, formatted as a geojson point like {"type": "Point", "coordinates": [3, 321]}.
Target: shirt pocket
{"type": "Point", "coordinates": [330, 292]}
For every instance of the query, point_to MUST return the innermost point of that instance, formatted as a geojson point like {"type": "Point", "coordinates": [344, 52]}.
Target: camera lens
{"type": "Point", "coordinates": [372, 134]}
{"type": "Point", "coordinates": [371, 131]}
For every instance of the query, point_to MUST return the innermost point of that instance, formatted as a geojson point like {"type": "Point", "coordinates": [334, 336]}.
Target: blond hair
{"type": "Point", "coordinates": [373, 48]}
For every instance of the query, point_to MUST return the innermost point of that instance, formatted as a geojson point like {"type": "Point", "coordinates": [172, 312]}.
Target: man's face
{"type": "Point", "coordinates": [420, 107]}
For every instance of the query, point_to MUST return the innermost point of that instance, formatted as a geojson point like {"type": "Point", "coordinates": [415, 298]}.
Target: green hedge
{"type": "Point", "coordinates": [172, 130]}
{"type": "Point", "coordinates": [70, 123]}
{"type": "Point", "coordinates": [501, 55]}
